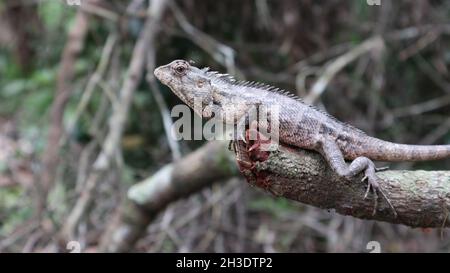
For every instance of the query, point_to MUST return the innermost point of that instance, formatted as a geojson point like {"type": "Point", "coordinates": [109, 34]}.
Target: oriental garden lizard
{"type": "Point", "coordinates": [212, 94]}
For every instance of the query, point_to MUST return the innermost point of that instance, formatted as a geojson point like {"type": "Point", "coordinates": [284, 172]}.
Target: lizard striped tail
{"type": "Point", "coordinates": [381, 150]}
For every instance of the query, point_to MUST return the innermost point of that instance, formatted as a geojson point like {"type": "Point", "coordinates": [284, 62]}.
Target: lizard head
{"type": "Point", "coordinates": [186, 81]}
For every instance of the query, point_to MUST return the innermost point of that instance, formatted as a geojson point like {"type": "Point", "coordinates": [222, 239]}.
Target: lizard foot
{"type": "Point", "coordinates": [333, 155]}
{"type": "Point", "coordinates": [373, 183]}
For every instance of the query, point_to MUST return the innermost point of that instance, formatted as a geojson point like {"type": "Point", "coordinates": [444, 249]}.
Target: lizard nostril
{"type": "Point", "coordinates": [157, 72]}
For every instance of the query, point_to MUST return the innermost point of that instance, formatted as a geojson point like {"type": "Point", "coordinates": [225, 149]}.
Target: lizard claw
{"type": "Point", "coordinates": [369, 185]}
{"type": "Point", "coordinates": [380, 169]}
{"type": "Point", "coordinates": [373, 183]}
{"type": "Point", "coordinates": [243, 137]}
{"type": "Point", "coordinates": [367, 191]}
{"type": "Point", "coordinates": [232, 146]}
{"type": "Point", "coordinates": [375, 202]}
{"type": "Point", "coordinates": [388, 201]}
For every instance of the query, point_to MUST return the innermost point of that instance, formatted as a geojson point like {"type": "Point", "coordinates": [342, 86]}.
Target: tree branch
{"type": "Point", "coordinates": [374, 44]}
{"type": "Point", "coordinates": [421, 198]}
{"type": "Point", "coordinates": [208, 164]}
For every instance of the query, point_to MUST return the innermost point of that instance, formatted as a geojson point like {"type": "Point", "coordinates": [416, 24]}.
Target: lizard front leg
{"type": "Point", "coordinates": [333, 155]}
{"type": "Point", "coordinates": [236, 115]}
{"type": "Point", "coordinates": [240, 116]}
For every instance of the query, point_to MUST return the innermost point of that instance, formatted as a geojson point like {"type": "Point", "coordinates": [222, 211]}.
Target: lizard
{"type": "Point", "coordinates": [300, 125]}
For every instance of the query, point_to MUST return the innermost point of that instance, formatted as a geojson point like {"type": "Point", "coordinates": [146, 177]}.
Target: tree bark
{"type": "Point", "coordinates": [421, 198]}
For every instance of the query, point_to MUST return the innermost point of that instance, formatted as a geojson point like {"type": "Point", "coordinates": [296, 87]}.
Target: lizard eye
{"type": "Point", "coordinates": [180, 69]}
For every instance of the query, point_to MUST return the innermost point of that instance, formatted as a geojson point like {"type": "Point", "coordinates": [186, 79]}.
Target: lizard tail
{"type": "Point", "coordinates": [381, 150]}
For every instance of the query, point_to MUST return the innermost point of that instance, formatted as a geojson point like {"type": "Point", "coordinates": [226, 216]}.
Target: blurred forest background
{"type": "Point", "coordinates": [82, 118]}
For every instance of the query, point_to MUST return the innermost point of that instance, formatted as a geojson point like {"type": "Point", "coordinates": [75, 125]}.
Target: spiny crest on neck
{"type": "Point", "coordinates": [228, 79]}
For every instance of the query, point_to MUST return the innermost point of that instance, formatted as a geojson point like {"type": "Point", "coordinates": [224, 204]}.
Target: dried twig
{"type": "Point", "coordinates": [422, 107]}
{"type": "Point", "coordinates": [220, 52]}
{"type": "Point", "coordinates": [163, 109]}
{"type": "Point", "coordinates": [111, 144]}
{"type": "Point", "coordinates": [100, 11]}
{"type": "Point", "coordinates": [93, 81]}
{"type": "Point", "coordinates": [422, 43]}
{"type": "Point", "coordinates": [437, 133]}
{"type": "Point", "coordinates": [146, 199]}
{"type": "Point", "coordinates": [74, 46]}
{"type": "Point", "coordinates": [372, 44]}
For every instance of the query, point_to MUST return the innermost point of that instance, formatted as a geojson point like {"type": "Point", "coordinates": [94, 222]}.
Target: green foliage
{"type": "Point", "coordinates": [13, 209]}
{"type": "Point", "coordinates": [51, 13]}
{"type": "Point", "coordinates": [57, 201]}
{"type": "Point", "coordinates": [362, 10]}
{"type": "Point", "coordinates": [31, 96]}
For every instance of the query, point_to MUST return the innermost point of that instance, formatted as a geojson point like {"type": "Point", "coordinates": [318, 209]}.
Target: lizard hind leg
{"type": "Point", "coordinates": [333, 155]}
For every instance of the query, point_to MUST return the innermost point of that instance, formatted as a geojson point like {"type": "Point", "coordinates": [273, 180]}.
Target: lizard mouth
{"type": "Point", "coordinates": [182, 96]}
{"type": "Point", "coordinates": [159, 74]}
